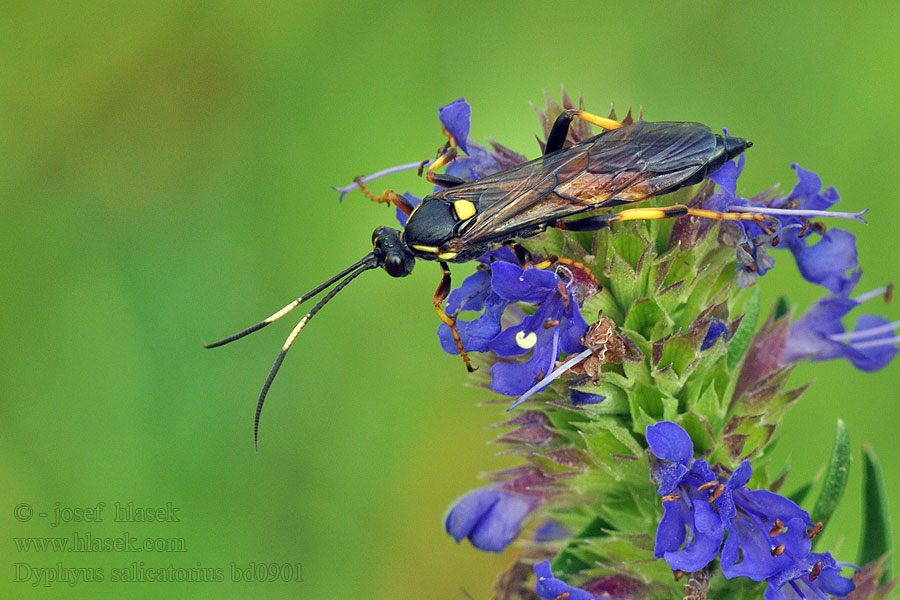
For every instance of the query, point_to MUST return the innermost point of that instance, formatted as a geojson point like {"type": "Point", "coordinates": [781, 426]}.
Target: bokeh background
{"type": "Point", "coordinates": [166, 179]}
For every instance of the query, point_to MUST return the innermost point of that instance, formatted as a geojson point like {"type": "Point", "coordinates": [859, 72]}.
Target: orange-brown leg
{"type": "Point", "coordinates": [552, 261]}
{"type": "Point", "coordinates": [439, 296]}
{"type": "Point", "coordinates": [388, 197]}
{"type": "Point", "coordinates": [445, 156]}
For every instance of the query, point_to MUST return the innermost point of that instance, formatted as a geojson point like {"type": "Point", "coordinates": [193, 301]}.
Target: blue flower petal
{"type": "Point", "coordinates": [827, 261]}
{"type": "Point", "coordinates": [806, 193]}
{"type": "Point", "coordinates": [876, 357]}
{"type": "Point", "coordinates": [513, 283]}
{"type": "Point", "coordinates": [457, 118]}
{"type": "Point", "coordinates": [727, 175]}
{"type": "Point", "coordinates": [717, 329]}
{"type": "Point", "coordinates": [580, 398]}
{"type": "Point", "coordinates": [551, 588]}
{"type": "Point", "coordinates": [490, 517]}
{"type": "Point", "coordinates": [670, 441]}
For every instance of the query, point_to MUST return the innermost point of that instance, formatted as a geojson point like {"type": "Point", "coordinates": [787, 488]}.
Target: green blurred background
{"type": "Point", "coordinates": [165, 179]}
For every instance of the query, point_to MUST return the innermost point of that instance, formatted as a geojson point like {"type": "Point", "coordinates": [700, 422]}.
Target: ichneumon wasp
{"type": "Point", "coordinates": [623, 165]}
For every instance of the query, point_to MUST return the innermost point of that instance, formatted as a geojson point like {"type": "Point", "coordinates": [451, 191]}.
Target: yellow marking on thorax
{"type": "Point", "coordinates": [465, 209]}
{"type": "Point", "coordinates": [429, 249]}
{"type": "Point", "coordinates": [448, 255]}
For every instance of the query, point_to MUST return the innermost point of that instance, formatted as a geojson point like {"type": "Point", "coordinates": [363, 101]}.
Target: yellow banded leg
{"type": "Point", "coordinates": [560, 130]}
{"type": "Point", "coordinates": [680, 210]}
{"type": "Point", "coordinates": [387, 197]}
{"type": "Point", "coordinates": [597, 120]}
{"type": "Point", "coordinates": [439, 296]}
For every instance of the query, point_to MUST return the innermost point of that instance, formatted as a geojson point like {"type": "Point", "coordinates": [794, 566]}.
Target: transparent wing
{"type": "Point", "coordinates": [620, 166]}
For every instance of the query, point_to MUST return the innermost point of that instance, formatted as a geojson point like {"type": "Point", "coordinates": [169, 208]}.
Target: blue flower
{"type": "Point", "coordinates": [820, 335]}
{"type": "Point", "coordinates": [551, 588]}
{"type": "Point", "coordinates": [580, 398]}
{"type": "Point", "coordinates": [758, 543]}
{"type": "Point", "coordinates": [717, 328]}
{"type": "Point", "coordinates": [481, 161]}
{"type": "Point", "coordinates": [456, 118]}
{"type": "Point", "coordinates": [699, 509]}
{"type": "Point", "coordinates": [813, 576]}
{"type": "Point", "coordinates": [690, 532]}
{"type": "Point", "coordinates": [556, 326]}
{"type": "Point", "coordinates": [476, 294]}
{"type": "Point", "coordinates": [831, 262]}
{"type": "Point", "coordinates": [492, 517]}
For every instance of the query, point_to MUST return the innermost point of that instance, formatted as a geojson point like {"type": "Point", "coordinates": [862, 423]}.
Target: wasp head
{"type": "Point", "coordinates": [391, 253]}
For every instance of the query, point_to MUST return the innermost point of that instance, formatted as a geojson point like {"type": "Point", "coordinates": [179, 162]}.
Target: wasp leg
{"type": "Point", "coordinates": [439, 296]}
{"type": "Point", "coordinates": [679, 210]}
{"type": "Point", "coordinates": [522, 254]}
{"type": "Point", "coordinates": [388, 197]}
{"type": "Point", "coordinates": [446, 154]}
{"type": "Point", "coordinates": [593, 223]}
{"type": "Point", "coordinates": [560, 129]}
{"type": "Point", "coordinates": [574, 265]}
{"type": "Point", "coordinates": [447, 181]}
{"type": "Point", "coordinates": [666, 212]}
{"type": "Point", "coordinates": [526, 262]}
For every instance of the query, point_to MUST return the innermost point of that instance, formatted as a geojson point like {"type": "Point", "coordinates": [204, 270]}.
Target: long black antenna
{"type": "Point", "coordinates": [368, 262]}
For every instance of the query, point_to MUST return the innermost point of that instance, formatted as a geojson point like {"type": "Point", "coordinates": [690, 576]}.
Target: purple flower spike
{"type": "Point", "coordinates": [551, 588]}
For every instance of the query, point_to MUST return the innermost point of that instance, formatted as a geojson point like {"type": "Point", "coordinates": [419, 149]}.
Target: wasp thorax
{"type": "Point", "coordinates": [391, 253]}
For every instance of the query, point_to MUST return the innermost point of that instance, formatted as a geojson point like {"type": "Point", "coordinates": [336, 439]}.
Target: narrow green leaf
{"type": "Point", "coordinates": [739, 344]}
{"type": "Point", "coordinates": [835, 476]}
{"type": "Point", "coordinates": [876, 535]}
{"type": "Point", "coordinates": [800, 495]}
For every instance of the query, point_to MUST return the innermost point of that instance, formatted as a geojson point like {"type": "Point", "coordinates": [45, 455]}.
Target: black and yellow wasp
{"type": "Point", "coordinates": [623, 165]}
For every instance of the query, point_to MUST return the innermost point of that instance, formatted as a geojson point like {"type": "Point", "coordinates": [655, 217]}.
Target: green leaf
{"type": "Point", "coordinates": [567, 562]}
{"type": "Point", "coordinates": [782, 307]}
{"type": "Point", "coordinates": [835, 477]}
{"type": "Point", "coordinates": [800, 495]}
{"type": "Point", "coordinates": [876, 535]}
{"type": "Point", "coordinates": [739, 344]}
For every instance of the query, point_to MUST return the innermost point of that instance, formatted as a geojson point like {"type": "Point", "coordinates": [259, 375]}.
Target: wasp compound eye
{"type": "Point", "coordinates": [394, 265]}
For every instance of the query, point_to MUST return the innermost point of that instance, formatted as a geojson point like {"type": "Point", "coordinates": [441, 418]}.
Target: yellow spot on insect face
{"type": "Point", "coordinates": [449, 255]}
{"type": "Point", "coordinates": [526, 340]}
{"type": "Point", "coordinates": [429, 249]}
{"type": "Point", "coordinates": [464, 209]}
